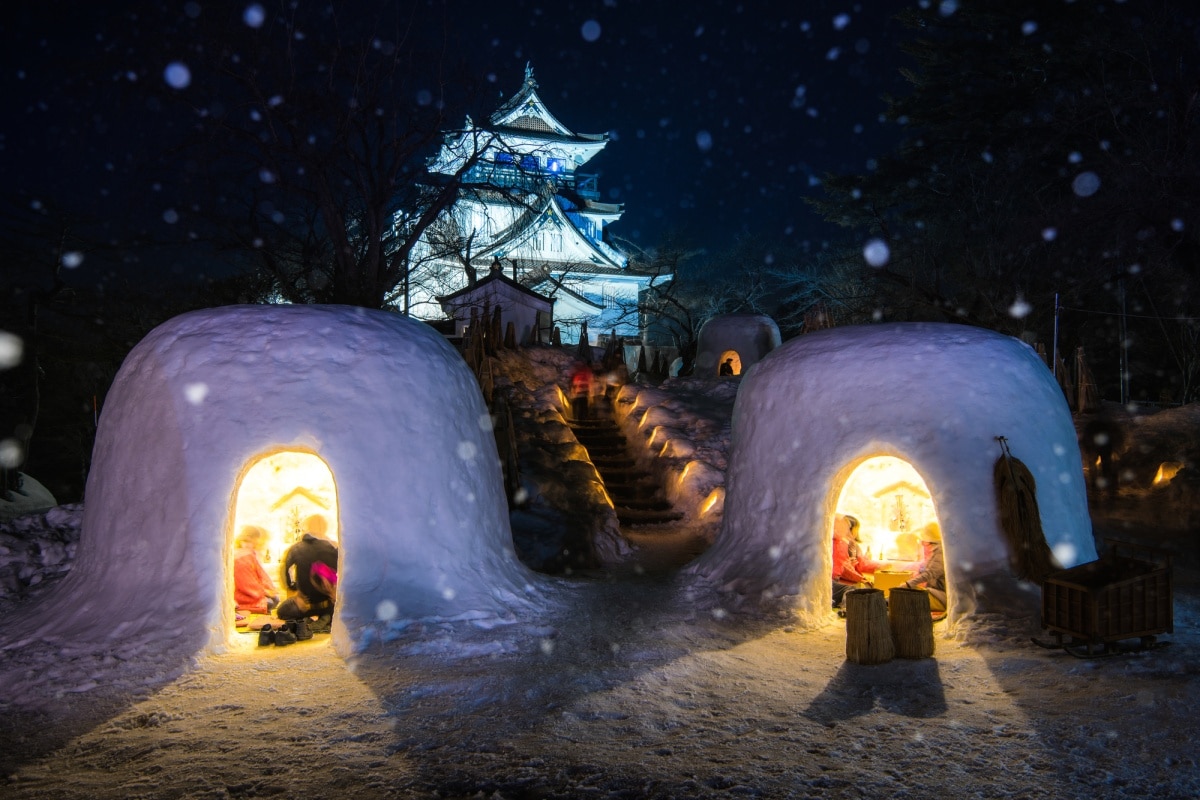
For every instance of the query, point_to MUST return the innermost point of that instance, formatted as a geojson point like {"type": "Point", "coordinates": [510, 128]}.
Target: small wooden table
{"type": "Point", "coordinates": [886, 579]}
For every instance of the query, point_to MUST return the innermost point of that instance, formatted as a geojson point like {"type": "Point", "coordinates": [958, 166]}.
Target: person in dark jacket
{"type": "Point", "coordinates": [310, 574]}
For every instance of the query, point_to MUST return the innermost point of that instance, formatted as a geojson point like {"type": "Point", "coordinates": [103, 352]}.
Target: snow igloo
{"type": "Point", "coordinates": [267, 415]}
{"type": "Point", "coordinates": [737, 341]}
{"type": "Point", "coordinates": [896, 424]}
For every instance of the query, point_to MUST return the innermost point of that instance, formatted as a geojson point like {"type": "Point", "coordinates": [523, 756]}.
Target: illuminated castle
{"type": "Point", "coordinates": [525, 211]}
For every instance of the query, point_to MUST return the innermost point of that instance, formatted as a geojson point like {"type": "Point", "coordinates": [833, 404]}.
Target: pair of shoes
{"type": "Point", "coordinates": [281, 636]}
{"type": "Point", "coordinates": [300, 629]}
{"type": "Point", "coordinates": [285, 634]}
{"type": "Point", "coordinates": [322, 624]}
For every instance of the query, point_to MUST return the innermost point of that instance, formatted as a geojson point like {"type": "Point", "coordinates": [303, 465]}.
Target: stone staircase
{"type": "Point", "coordinates": [635, 493]}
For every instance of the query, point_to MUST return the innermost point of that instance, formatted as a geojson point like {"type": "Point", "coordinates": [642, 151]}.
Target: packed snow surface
{"type": "Point", "coordinates": [621, 686]}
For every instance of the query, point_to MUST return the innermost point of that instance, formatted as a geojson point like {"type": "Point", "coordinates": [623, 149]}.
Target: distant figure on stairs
{"type": "Point", "coordinates": [581, 389]}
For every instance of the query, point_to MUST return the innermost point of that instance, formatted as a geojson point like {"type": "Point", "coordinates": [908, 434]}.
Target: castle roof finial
{"type": "Point", "coordinates": [529, 73]}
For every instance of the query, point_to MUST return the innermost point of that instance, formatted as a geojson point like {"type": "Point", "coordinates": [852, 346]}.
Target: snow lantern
{"type": "Point", "coordinates": [896, 424]}
{"type": "Point", "coordinates": [269, 415]}
{"type": "Point", "coordinates": [732, 343]}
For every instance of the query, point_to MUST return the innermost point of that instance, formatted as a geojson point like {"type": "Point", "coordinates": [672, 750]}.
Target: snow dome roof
{"type": "Point", "coordinates": [751, 336]}
{"type": "Point", "coordinates": [383, 401]}
{"type": "Point", "coordinates": [934, 395]}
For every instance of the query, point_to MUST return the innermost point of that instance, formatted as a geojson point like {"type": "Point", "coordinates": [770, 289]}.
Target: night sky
{"type": "Point", "coordinates": [723, 116]}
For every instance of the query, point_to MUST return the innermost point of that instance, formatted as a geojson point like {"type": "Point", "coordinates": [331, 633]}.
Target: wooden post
{"type": "Point", "coordinates": [510, 336]}
{"type": "Point", "coordinates": [912, 626]}
{"type": "Point", "coordinates": [868, 636]}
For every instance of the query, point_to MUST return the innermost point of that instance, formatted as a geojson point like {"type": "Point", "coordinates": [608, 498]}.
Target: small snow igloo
{"type": "Point", "coordinates": [269, 415]}
{"type": "Point", "coordinates": [735, 342]}
{"type": "Point", "coordinates": [920, 405]}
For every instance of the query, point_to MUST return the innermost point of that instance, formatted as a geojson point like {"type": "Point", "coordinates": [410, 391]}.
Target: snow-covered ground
{"type": "Point", "coordinates": [622, 687]}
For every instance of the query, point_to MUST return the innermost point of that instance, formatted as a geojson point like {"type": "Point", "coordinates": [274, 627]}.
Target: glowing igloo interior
{"type": "Point", "coordinates": [890, 500]}
{"type": "Point", "coordinates": [277, 493]}
{"type": "Point", "coordinates": [735, 361]}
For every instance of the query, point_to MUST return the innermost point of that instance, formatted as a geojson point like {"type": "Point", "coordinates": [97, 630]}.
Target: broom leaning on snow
{"type": "Point", "coordinates": [1016, 494]}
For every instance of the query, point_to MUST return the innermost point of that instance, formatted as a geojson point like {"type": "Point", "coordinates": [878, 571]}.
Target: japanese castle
{"type": "Point", "coordinates": [525, 212]}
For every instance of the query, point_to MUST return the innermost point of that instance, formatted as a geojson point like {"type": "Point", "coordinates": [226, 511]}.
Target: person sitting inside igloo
{"type": "Point", "coordinates": [932, 573]}
{"type": "Point", "coordinates": [254, 593]}
{"type": "Point", "coordinates": [846, 572]}
{"type": "Point", "coordinates": [310, 575]}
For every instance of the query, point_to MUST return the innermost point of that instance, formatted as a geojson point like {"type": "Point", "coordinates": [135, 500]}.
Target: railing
{"type": "Point", "coordinates": [533, 179]}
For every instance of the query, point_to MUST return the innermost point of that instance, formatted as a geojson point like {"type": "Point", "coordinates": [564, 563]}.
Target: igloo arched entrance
{"type": "Point", "coordinates": [730, 363]}
{"type": "Point", "coordinates": [893, 506]}
{"type": "Point", "coordinates": [278, 492]}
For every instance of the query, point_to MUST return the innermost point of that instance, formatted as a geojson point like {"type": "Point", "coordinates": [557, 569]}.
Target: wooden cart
{"type": "Point", "coordinates": [1126, 594]}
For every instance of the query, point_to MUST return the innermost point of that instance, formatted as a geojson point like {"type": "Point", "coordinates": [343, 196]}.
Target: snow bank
{"type": "Point", "coordinates": [935, 395]}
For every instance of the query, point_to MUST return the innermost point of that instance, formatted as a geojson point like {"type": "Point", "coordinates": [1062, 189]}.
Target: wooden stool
{"type": "Point", "coordinates": [868, 636]}
{"type": "Point", "coordinates": [912, 626]}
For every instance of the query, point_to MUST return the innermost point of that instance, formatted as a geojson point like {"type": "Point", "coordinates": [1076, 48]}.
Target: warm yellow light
{"type": "Point", "coordinates": [278, 493]}
{"type": "Point", "coordinates": [715, 497]}
{"type": "Point", "coordinates": [1166, 471]}
{"type": "Point", "coordinates": [891, 501]}
{"type": "Point", "coordinates": [735, 361]}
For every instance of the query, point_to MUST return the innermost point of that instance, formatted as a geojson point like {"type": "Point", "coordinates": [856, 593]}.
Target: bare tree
{"type": "Point", "coordinates": [314, 129]}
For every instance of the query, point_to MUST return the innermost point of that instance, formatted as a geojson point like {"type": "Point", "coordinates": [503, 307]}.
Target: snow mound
{"type": "Point", "coordinates": [934, 395]}
{"type": "Point", "coordinates": [385, 402]}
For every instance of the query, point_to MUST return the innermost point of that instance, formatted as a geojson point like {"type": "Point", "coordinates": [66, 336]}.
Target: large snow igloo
{"type": "Point", "coordinates": [742, 340]}
{"type": "Point", "coordinates": [934, 397]}
{"type": "Point", "coordinates": [389, 435]}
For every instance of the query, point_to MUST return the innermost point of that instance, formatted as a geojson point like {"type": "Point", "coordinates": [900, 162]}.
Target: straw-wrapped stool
{"type": "Point", "coordinates": [868, 634]}
{"type": "Point", "coordinates": [911, 623]}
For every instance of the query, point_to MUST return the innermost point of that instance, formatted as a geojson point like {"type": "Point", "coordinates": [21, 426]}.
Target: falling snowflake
{"type": "Point", "coordinates": [11, 349]}
{"type": "Point", "coordinates": [1086, 184]}
{"type": "Point", "coordinates": [876, 252]}
{"type": "Point", "coordinates": [195, 393]}
{"type": "Point", "coordinates": [1019, 309]}
{"type": "Point", "coordinates": [177, 75]}
{"type": "Point", "coordinates": [254, 15]}
{"type": "Point", "coordinates": [386, 610]}
{"type": "Point", "coordinates": [10, 454]}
